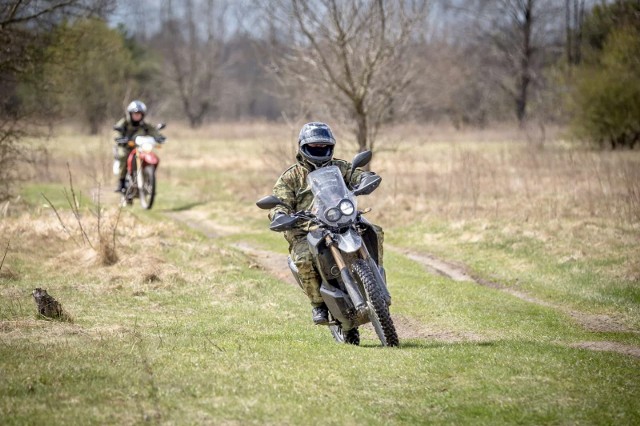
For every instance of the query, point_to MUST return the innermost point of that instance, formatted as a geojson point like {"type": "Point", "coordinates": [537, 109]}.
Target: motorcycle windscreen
{"type": "Point", "coordinates": [333, 203]}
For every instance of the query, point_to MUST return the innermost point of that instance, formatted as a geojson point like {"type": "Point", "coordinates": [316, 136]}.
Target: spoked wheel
{"type": "Point", "coordinates": [147, 186]}
{"type": "Point", "coordinates": [378, 309]}
{"type": "Point", "coordinates": [129, 191]}
{"type": "Point", "coordinates": [351, 337]}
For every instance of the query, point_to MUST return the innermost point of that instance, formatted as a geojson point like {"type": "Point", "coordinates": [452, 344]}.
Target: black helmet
{"type": "Point", "coordinates": [316, 133]}
{"type": "Point", "coordinates": [137, 106]}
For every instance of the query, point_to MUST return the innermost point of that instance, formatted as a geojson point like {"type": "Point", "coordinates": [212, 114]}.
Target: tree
{"type": "Point", "coordinates": [350, 57]}
{"type": "Point", "coordinates": [88, 68]}
{"type": "Point", "coordinates": [604, 19]}
{"type": "Point", "coordinates": [574, 20]}
{"type": "Point", "coordinates": [517, 39]}
{"type": "Point", "coordinates": [192, 44]}
{"type": "Point", "coordinates": [606, 95]}
{"type": "Point", "coordinates": [24, 25]}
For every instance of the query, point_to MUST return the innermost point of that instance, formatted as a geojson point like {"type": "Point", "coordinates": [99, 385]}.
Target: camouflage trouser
{"type": "Point", "coordinates": [121, 154]}
{"type": "Point", "coordinates": [303, 259]}
{"type": "Point", "coordinates": [309, 277]}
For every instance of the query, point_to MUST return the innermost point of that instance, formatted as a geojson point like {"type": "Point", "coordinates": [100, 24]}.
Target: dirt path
{"type": "Point", "coordinates": [407, 328]}
{"type": "Point", "coordinates": [597, 323]}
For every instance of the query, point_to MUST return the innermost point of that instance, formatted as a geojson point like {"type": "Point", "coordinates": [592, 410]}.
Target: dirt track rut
{"type": "Point", "coordinates": [275, 264]}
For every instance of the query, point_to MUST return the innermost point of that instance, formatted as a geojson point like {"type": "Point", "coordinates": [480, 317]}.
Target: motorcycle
{"type": "Point", "coordinates": [344, 247]}
{"type": "Point", "coordinates": [140, 180]}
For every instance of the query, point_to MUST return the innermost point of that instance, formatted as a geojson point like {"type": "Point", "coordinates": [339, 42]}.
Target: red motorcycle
{"type": "Point", "coordinates": [140, 181]}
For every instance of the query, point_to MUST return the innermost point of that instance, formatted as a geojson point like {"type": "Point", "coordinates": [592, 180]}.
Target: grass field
{"type": "Point", "coordinates": [188, 327]}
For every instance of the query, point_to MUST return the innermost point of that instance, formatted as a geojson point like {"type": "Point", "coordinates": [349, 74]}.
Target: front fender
{"type": "Point", "coordinates": [149, 158]}
{"type": "Point", "coordinates": [349, 242]}
{"type": "Point", "coordinates": [130, 160]}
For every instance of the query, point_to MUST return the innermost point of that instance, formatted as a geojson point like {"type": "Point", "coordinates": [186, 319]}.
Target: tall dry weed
{"type": "Point", "coordinates": [103, 241]}
{"type": "Point", "coordinates": [507, 181]}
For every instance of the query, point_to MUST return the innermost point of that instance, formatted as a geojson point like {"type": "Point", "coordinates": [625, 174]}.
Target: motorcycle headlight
{"type": "Point", "coordinates": [333, 214]}
{"type": "Point", "coordinates": [346, 207]}
{"type": "Point", "coordinates": [147, 147]}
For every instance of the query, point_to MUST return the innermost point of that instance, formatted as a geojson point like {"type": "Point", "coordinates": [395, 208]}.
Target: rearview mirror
{"type": "Point", "coordinates": [161, 126]}
{"type": "Point", "coordinates": [361, 159]}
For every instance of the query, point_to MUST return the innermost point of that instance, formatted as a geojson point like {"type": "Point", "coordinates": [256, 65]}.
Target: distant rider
{"type": "Point", "coordinates": [130, 126]}
{"type": "Point", "coordinates": [315, 150]}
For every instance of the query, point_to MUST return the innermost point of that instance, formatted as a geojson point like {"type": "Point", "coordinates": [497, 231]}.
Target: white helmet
{"type": "Point", "coordinates": [137, 106]}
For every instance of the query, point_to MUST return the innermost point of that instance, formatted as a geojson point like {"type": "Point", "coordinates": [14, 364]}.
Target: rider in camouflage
{"type": "Point", "coordinates": [130, 126]}
{"type": "Point", "coordinates": [315, 150]}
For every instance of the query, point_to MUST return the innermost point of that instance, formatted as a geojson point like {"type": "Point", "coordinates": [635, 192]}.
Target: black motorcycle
{"type": "Point", "coordinates": [345, 252]}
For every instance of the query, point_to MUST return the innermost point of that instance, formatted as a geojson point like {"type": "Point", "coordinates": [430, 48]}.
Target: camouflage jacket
{"type": "Point", "coordinates": [292, 188]}
{"type": "Point", "coordinates": [131, 131]}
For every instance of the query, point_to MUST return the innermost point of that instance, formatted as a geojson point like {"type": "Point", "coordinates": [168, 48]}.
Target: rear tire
{"type": "Point", "coordinates": [148, 189]}
{"type": "Point", "coordinates": [378, 309]}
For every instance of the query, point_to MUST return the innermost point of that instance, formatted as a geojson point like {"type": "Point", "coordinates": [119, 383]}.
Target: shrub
{"type": "Point", "coordinates": [607, 96]}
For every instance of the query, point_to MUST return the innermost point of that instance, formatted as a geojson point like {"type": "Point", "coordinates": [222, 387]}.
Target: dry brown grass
{"type": "Point", "coordinates": [493, 174]}
{"type": "Point", "coordinates": [500, 180]}
{"type": "Point", "coordinates": [503, 174]}
{"type": "Point", "coordinates": [494, 184]}
{"type": "Point", "coordinates": [43, 252]}
{"type": "Point", "coordinates": [512, 182]}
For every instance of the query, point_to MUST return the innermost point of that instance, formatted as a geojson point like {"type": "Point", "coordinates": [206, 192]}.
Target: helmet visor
{"type": "Point", "coordinates": [318, 151]}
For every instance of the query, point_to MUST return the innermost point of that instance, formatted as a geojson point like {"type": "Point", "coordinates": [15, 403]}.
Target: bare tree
{"type": "Point", "coordinates": [574, 18]}
{"type": "Point", "coordinates": [517, 38]}
{"type": "Point", "coordinates": [193, 46]}
{"type": "Point", "coordinates": [351, 57]}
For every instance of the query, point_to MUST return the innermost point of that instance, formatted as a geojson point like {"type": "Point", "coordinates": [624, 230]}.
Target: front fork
{"type": "Point", "coordinates": [139, 176]}
{"type": "Point", "coordinates": [347, 279]}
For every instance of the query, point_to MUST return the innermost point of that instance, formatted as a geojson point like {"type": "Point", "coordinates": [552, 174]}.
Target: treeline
{"type": "Point", "coordinates": [365, 62]}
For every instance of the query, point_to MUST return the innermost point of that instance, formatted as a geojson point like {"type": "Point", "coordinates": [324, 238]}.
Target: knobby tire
{"type": "Point", "coordinates": [148, 190]}
{"type": "Point", "coordinates": [351, 337]}
{"type": "Point", "coordinates": [385, 329]}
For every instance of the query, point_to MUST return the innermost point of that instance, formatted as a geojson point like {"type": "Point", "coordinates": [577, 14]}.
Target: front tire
{"type": "Point", "coordinates": [148, 188]}
{"type": "Point", "coordinates": [378, 309]}
{"type": "Point", "coordinates": [351, 337]}
{"type": "Point", "coordinates": [129, 193]}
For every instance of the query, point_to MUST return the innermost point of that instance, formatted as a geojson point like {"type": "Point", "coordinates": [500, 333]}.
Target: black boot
{"type": "Point", "coordinates": [120, 187]}
{"type": "Point", "coordinates": [320, 314]}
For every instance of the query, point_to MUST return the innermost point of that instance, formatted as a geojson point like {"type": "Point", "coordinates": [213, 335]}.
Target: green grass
{"type": "Point", "coordinates": [217, 350]}
{"type": "Point", "coordinates": [184, 330]}
{"type": "Point", "coordinates": [591, 284]}
{"type": "Point", "coordinates": [218, 342]}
